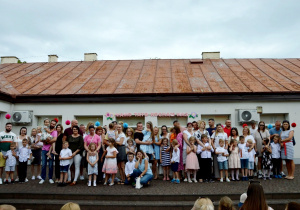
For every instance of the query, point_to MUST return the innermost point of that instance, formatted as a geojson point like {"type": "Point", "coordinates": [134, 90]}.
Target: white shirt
{"type": "Point", "coordinates": [24, 153]}
{"type": "Point", "coordinates": [243, 151]}
{"type": "Point", "coordinates": [250, 137]}
{"type": "Point", "coordinates": [251, 155]}
{"type": "Point", "coordinates": [129, 167]}
{"type": "Point", "coordinates": [276, 148]}
{"type": "Point", "coordinates": [11, 160]}
{"type": "Point", "coordinates": [188, 137]}
{"type": "Point", "coordinates": [218, 137]}
{"type": "Point", "coordinates": [206, 153]}
{"type": "Point", "coordinates": [119, 136]}
{"type": "Point", "coordinates": [175, 156]}
{"type": "Point", "coordinates": [252, 131]}
{"type": "Point", "coordinates": [64, 153]}
{"type": "Point", "coordinates": [220, 157]}
{"type": "Point", "coordinates": [35, 139]}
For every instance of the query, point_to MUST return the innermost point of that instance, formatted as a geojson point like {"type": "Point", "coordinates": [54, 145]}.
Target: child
{"type": "Point", "coordinates": [131, 148]}
{"type": "Point", "coordinates": [64, 157]}
{"type": "Point", "coordinates": [165, 158]}
{"type": "Point", "coordinates": [251, 158]}
{"type": "Point", "coordinates": [11, 161]}
{"type": "Point", "coordinates": [205, 159]}
{"type": "Point", "coordinates": [276, 159]}
{"type": "Point", "coordinates": [226, 203]}
{"type": "Point", "coordinates": [222, 160]}
{"type": "Point", "coordinates": [175, 161]}
{"type": "Point", "coordinates": [234, 160]}
{"type": "Point", "coordinates": [92, 158]}
{"type": "Point", "coordinates": [45, 132]}
{"type": "Point", "coordinates": [24, 154]}
{"type": "Point", "coordinates": [110, 166]}
{"type": "Point", "coordinates": [111, 133]}
{"type": "Point", "coordinates": [192, 164]}
{"type": "Point", "coordinates": [129, 167]}
{"type": "Point", "coordinates": [267, 159]}
{"type": "Point", "coordinates": [243, 153]}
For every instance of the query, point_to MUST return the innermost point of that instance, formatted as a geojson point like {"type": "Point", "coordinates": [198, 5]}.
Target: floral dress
{"type": "Point", "coordinates": [267, 160]}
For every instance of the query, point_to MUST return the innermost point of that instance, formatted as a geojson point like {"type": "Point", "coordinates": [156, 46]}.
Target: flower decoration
{"type": "Point", "coordinates": [245, 125]}
{"type": "Point", "coordinates": [97, 123]}
{"type": "Point", "coordinates": [68, 122]}
{"type": "Point", "coordinates": [7, 116]}
{"type": "Point", "coordinates": [270, 126]}
{"type": "Point", "coordinates": [193, 115]}
{"type": "Point", "coordinates": [56, 120]}
{"type": "Point", "coordinates": [125, 125]}
{"type": "Point", "coordinates": [109, 116]}
{"type": "Point", "coordinates": [293, 124]}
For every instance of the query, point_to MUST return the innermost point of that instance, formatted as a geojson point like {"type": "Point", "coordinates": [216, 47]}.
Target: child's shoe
{"type": "Point", "coordinates": [89, 184]}
{"type": "Point", "coordinates": [275, 176]}
{"type": "Point", "coordinates": [26, 180]}
{"type": "Point", "coordinates": [221, 180]}
{"type": "Point", "coordinates": [105, 184]}
{"type": "Point", "coordinates": [111, 184]}
{"type": "Point", "coordinates": [6, 182]}
{"type": "Point", "coordinates": [211, 181]}
{"type": "Point", "coordinates": [246, 178]}
{"type": "Point", "coordinates": [269, 178]}
{"type": "Point", "coordinates": [227, 180]}
{"type": "Point", "coordinates": [39, 177]}
{"type": "Point", "coordinates": [173, 180]}
{"type": "Point", "coordinates": [33, 177]}
{"type": "Point", "coordinates": [265, 178]}
{"type": "Point", "coordinates": [279, 177]}
{"type": "Point", "coordinates": [282, 174]}
{"type": "Point", "coordinates": [195, 180]}
{"type": "Point", "coordinates": [168, 178]}
{"type": "Point", "coordinates": [190, 181]}
{"type": "Point", "coordinates": [1, 181]}
{"type": "Point", "coordinates": [177, 181]}
{"type": "Point", "coordinates": [12, 181]}
{"type": "Point", "coordinates": [95, 185]}
{"type": "Point", "coordinates": [185, 180]}
{"type": "Point", "coordinates": [17, 179]}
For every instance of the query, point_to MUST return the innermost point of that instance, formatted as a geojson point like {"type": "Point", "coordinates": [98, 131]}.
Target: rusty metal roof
{"type": "Point", "coordinates": [151, 76]}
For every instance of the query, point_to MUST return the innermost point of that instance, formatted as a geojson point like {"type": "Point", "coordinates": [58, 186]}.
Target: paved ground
{"type": "Point", "coordinates": [158, 187]}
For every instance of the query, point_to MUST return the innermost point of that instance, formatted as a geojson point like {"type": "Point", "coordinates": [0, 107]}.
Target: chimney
{"type": "Point", "coordinates": [90, 56]}
{"type": "Point", "coordinates": [9, 59]}
{"type": "Point", "coordinates": [52, 58]}
{"type": "Point", "coordinates": [211, 55]}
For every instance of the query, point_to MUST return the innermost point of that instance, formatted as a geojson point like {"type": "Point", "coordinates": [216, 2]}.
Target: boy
{"type": "Point", "coordinates": [175, 161]}
{"type": "Point", "coordinates": [129, 167]}
{"type": "Point", "coordinates": [251, 158]}
{"type": "Point", "coordinates": [64, 157]}
{"type": "Point", "coordinates": [276, 159]}
{"type": "Point", "coordinates": [24, 155]}
{"type": "Point", "coordinates": [11, 161]}
{"type": "Point", "coordinates": [243, 153]}
{"type": "Point", "coordinates": [222, 160]}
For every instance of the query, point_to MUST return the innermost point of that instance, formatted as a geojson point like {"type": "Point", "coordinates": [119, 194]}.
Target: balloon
{"type": "Point", "coordinates": [245, 125]}
{"type": "Point", "coordinates": [56, 120]}
{"type": "Point", "coordinates": [125, 125]}
{"type": "Point", "coordinates": [270, 126]}
{"type": "Point", "coordinates": [294, 125]}
{"type": "Point", "coordinates": [68, 122]}
{"type": "Point", "coordinates": [97, 123]}
{"type": "Point", "coordinates": [7, 116]}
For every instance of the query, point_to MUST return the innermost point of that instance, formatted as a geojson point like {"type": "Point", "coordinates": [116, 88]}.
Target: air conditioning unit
{"type": "Point", "coordinates": [22, 117]}
{"type": "Point", "coordinates": [247, 115]}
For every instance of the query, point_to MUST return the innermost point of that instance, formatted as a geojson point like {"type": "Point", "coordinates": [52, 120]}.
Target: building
{"type": "Point", "coordinates": [157, 90]}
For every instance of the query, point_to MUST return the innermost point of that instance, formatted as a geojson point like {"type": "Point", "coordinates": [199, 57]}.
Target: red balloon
{"type": "Point", "coordinates": [56, 120]}
{"type": "Point", "coordinates": [244, 125]}
{"type": "Point", "coordinates": [294, 125]}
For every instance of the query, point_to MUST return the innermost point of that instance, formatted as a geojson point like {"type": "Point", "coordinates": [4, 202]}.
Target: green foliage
{"type": "Point", "coordinates": [19, 61]}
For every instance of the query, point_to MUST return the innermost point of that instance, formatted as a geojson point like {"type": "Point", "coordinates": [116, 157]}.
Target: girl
{"type": "Point", "coordinates": [156, 155]}
{"type": "Point", "coordinates": [266, 159]}
{"type": "Point", "coordinates": [192, 164]}
{"type": "Point", "coordinates": [130, 135]}
{"type": "Point", "coordinates": [165, 158]}
{"type": "Point", "coordinates": [110, 166]}
{"type": "Point", "coordinates": [121, 157]}
{"type": "Point", "coordinates": [234, 159]}
{"type": "Point", "coordinates": [186, 136]}
{"type": "Point", "coordinates": [276, 160]}
{"type": "Point", "coordinates": [111, 133]}
{"type": "Point", "coordinates": [226, 204]}
{"type": "Point", "coordinates": [130, 148]}
{"type": "Point", "coordinates": [92, 159]}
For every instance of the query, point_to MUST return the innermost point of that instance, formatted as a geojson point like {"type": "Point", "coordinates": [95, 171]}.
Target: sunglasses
{"type": "Point", "coordinates": [261, 125]}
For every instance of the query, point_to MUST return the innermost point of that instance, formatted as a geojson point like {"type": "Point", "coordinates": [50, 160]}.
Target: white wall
{"type": "Point", "coordinates": [68, 111]}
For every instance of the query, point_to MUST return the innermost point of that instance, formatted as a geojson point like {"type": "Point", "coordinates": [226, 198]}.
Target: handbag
{"type": "Point", "coordinates": [138, 183]}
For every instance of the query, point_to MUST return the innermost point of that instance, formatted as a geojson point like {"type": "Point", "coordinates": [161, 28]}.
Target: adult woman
{"type": "Point", "coordinates": [219, 134]}
{"type": "Point", "coordinates": [201, 131]}
{"type": "Point", "coordinates": [129, 135]}
{"type": "Point", "coordinates": [76, 145]}
{"type": "Point", "coordinates": [186, 136]}
{"type": "Point", "coordinates": [58, 148]}
{"type": "Point", "coordinates": [234, 134]}
{"type": "Point", "coordinates": [255, 198]}
{"type": "Point", "coordinates": [156, 145]}
{"type": "Point", "coordinates": [36, 149]}
{"type": "Point", "coordinates": [164, 133]}
{"type": "Point", "coordinates": [100, 132]}
{"type": "Point", "coordinates": [247, 135]}
{"type": "Point", "coordinates": [121, 156]}
{"type": "Point", "coordinates": [287, 152]}
{"type": "Point", "coordinates": [179, 138]}
{"type": "Point", "coordinates": [149, 138]}
{"type": "Point", "coordinates": [260, 134]}
{"type": "Point", "coordinates": [142, 169]}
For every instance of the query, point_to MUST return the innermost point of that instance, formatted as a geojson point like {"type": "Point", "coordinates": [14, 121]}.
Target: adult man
{"type": "Point", "coordinates": [253, 127]}
{"type": "Point", "coordinates": [227, 128]}
{"type": "Point", "coordinates": [83, 130]}
{"type": "Point", "coordinates": [139, 136]}
{"type": "Point", "coordinates": [177, 124]}
{"type": "Point", "coordinates": [195, 125]}
{"type": "Point", "coordinates": [69, 131]}
{"type": "Point", "coordinates": [45, 150]}
{"type": "Point", "coordinates": [212, 128]}
{"type": "Point", "coordinates": [6, 137]}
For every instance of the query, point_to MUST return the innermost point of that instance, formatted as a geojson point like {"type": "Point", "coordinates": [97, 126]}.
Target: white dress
{"type": "Point", "coordinates": [93, 170]}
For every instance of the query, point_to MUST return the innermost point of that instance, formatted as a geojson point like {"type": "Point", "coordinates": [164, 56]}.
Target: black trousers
{"type": "Point", "coordinates": [276, 166]}
{"type": "Point", "coordinates": [57, 167]}
{"type": "Point", "coordinates": [205, 168]}
{"type": "Point", "coordinates": [22, 171]}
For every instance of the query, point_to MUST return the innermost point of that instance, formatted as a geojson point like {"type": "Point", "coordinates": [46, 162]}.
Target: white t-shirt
{"type": "Point", "coordinates": [252, 131]}
{"type": "Point", "coordinates": [243, 151]}
{"type": "Point", "coordinates": [276, 148]}
{"type": "Point", "coordinates": [250, 137]}
{"type": "Point", "coordinates": [64, 153]}
{"type": "Point", "coordinates": [119, 136]}
{"type": "Point", "coordinates": [129, 167]}
{"type": "Point", "coordinates": [220, 157]}
{"type": "Point", "coordinates": [218, 137]}
{"type": "Point", "coordinates": [205, 153]}
{"type": "Point", "coordinates": [176, 156]}
{"type": "Point", "coordinates": [188, 137]}
{"type": "Point", "coordinates": [251, 155]}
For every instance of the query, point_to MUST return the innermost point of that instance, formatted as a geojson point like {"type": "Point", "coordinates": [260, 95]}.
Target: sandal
{"type": "Point", "coordinates": [111, 184]}
{"type": "Point", "coordinates": [290, 178]}
{"type": "Point", "coordinates": [119, 182]}
{"type": "Point", "coordinates": [122, 182]}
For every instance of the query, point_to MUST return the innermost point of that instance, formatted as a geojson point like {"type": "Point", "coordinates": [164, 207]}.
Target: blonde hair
{"type": "Point", "coordinates": [221, 140]}
{"type": "Point", "coordinates": [129, 129]}
{"type": "Point", "coordinates": [91, 144]}
{"type": "Point", "coordinates": [246, 127]}
{"type": "Point", "coordinates": [70, 206]}
{"type": "Point", "coordinates": [39, 128]}
{"type": "Point", "coordinates": [175, 142]}
{"type": "Point", "coordinates": [7, 207]}
{"type": "Point", "coordinates": [250, 141]}
{"type": "Point", "coordinates": [217, 132]}
{"type": "Point", "coordinates": [226, 204]}
{"type": "Point", "coordinates": [88, 125]}
{"type": "Point", "coordinates": [200, 122]}
{"type": "Point", "coordinates": [203, 204]}
{"type": "Point", "coordinates": [192, 138]}
{"type": "Point", "coordinates": [157, 135]}
{"type": "Point", "coordinates": [151, 128]}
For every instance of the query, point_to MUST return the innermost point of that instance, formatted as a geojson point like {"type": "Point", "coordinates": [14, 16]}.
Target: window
{"type": "Point", "coordinates": [85, 119]}
{"type": "Point", "coordinates": [168, 121]}
{"type": "Point", "coordinates": [272, 118]}
{"type": "Point", "coordinates": [218, 118]}
{"type": "Point", "coordinates": [40, 119]}
{"type": "Point", "coordinates": [131, 121]}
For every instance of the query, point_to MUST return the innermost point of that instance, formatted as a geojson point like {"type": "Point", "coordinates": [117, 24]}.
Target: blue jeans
{"type": "Point", "coordinates": [144, 180]}
{"type": "Point", "coordinates": [44, 165]}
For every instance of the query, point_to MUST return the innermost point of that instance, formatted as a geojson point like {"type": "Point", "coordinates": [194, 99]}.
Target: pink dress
{"type": "Point", "coordinates": [110, 164]}
{"type": "Point", "coordinates": [191, 160]}
{"type": "Point", "coordinates": [179, 138]}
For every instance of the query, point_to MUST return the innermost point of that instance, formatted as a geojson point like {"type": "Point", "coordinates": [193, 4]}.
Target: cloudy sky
{"type": "Point", "coordinates": [142, 29]}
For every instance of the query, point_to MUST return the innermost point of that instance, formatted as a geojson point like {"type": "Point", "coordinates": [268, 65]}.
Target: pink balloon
{"type": "Point", "coordinates": [68, 122]}
{"type": "Point", "coordinates": [7, 116]}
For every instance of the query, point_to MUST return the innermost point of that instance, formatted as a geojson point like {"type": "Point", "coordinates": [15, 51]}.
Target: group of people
{"type": "Point", "coordinates": [193, 153]}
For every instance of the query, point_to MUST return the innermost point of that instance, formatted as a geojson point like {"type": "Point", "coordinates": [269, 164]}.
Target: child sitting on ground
{"type": "Point", "coordinates": [222, 160]}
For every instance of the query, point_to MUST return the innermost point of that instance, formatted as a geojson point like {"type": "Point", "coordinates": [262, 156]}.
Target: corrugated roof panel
{"type": "Point", "coordinates": [163, 84]}
{"type": "Point", "coordinates": [19, 72]}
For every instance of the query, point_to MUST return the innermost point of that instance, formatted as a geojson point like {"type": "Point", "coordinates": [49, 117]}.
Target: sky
{"type": "Point", "coordinates": [143, 29]}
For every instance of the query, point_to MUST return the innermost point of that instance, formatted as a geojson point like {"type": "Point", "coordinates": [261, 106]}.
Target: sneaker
{"type": "Point", "coordinates": [279, 176]}
{"type": "Point", "coordinates": [17, 179]}
{"type": "Point", "coordinates": [173, 180]}
{"type": "Point", "coordinates": [1, 181]}
{"type": "Point", "coordinates": [190, 181]}
{"type": "Point", "coordinates": [282, 174]}
{"type": "Point", "coordinates": [265, 178]}
{"type": "Point", "coordinates": [105, 184]}
{"type": "Point", "coordinates": [205, 180]}
{"type": "Point", "coordinates": [195, 180]}
{"type": "Point", "coordinates": [26, 180]}
{"type": "Point", "coordinates": [6, 182]}
{"type": "Point", "coordinates": [89, 184]}
{"type": "Point", "coordinates": [33, 177]}
{"type": "Point", "coordinates": [221, 180]}
{"type": "Point", "coordinates": [111, 184]}
{"type": "Point", "coordinates": [95, 185]}
{"type": "Point", "coordinates": [177, 181]}
{"type": "Point", "coordinates": [81, 178]}
{"type": "Point", "coordinates": [269, 178]}
{"type": "Point", "coordinates": [260, 176]}
{"type": "Point", "coordinates": [255, 174]}
{"type": "Point", "coordinates": [243, 179]}
{"type": "Point", "coordinates": [39, 177]}
{"type": "Point", "coordinates": [275, 176]}
{"type": "Point", "coordinates": [185, 180]}
{"type": "Point", "coordinates": [51, 181]}
{"type": "Point", "coordinates": [12, 181]}
{"type": "Point", "coordinates": [42, 181]}
{"type": "Point", "coordinates": [246, 178]}
{"type": "Point", "coordinates": [211, 181]}
{"type": "Point", "coordinates": [227, 180]}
